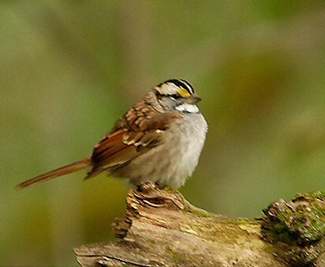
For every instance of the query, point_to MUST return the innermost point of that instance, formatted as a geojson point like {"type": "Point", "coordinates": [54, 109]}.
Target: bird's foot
{"type": "Point", "coordinates": [147, 187]}
{"type": "Point", "coordinates": [151, 194]}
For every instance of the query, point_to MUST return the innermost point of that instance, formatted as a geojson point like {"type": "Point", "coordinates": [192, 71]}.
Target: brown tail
{"type": "Point", "coordinates": [67, 169]}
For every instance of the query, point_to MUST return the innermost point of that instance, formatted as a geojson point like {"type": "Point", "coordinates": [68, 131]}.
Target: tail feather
{"type": "Point", "coordinates": [67, 169]}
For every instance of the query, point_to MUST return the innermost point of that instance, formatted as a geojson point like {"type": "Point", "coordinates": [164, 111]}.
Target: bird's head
{"type": "Point", "coordinates": [177, 94]}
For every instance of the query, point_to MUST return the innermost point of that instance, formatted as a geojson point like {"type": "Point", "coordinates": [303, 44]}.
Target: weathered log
{"type": "Point", "coordinates": [161, 228]}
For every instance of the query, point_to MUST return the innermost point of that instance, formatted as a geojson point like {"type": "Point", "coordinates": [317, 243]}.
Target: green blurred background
{"type": "Point", "coordinates": [70, 68]}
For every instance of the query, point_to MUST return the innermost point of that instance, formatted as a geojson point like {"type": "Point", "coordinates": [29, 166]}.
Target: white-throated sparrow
{"type": "Point", "coordinates": [158, 140]}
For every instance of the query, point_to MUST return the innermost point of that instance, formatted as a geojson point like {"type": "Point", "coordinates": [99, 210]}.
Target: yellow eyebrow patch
{"type": "Point", "coordinates": [183, 92]}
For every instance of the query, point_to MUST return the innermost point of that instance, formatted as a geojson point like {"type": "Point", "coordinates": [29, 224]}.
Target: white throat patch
{"type": "Point", "coordinates": [190, 108]}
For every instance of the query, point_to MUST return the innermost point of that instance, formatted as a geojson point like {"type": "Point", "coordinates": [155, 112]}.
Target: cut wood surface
{"type": "Point", "coordinates": [161, 228]}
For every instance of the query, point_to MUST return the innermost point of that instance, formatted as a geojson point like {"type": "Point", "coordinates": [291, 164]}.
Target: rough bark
{"type": "Point", "coordinates": [161, 228]}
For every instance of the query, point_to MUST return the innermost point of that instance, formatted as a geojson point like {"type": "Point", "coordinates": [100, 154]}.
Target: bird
{"type": "Point", "coordinates": [158, 140]}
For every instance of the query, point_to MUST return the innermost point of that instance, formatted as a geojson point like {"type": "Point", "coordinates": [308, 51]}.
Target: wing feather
{"type": "Point", "coordinates": [140, 129]}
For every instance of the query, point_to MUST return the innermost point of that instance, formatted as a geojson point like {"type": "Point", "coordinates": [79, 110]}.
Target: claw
{"type": "Point", "coordinates": [147, 187]}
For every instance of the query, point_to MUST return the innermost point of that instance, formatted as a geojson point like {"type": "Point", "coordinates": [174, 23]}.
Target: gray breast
{"type": "Point", "coordinates": [170, 163]}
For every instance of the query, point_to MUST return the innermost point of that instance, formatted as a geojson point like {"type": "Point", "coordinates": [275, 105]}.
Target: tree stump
{"type": "Point", "coordinates": [161, 228]}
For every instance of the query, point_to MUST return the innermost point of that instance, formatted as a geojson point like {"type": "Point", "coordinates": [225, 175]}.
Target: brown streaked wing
{"type": "Point", "coordinates": [140, 129]}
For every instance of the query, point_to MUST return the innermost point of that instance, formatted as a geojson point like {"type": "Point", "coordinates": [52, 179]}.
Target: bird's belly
{"type": "Point", "coordinates": [170, 163]}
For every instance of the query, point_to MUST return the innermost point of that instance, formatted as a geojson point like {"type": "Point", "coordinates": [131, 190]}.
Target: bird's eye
{"type": "Point", "coordinates": [174, 97]}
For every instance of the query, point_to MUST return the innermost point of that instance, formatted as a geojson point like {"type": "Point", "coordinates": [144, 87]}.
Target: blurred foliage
{"type": "Point", "coordinates": [70, 68]}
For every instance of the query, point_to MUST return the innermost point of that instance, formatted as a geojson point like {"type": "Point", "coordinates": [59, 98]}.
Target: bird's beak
{"type": "Point", "coordinates": [193, 99]}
